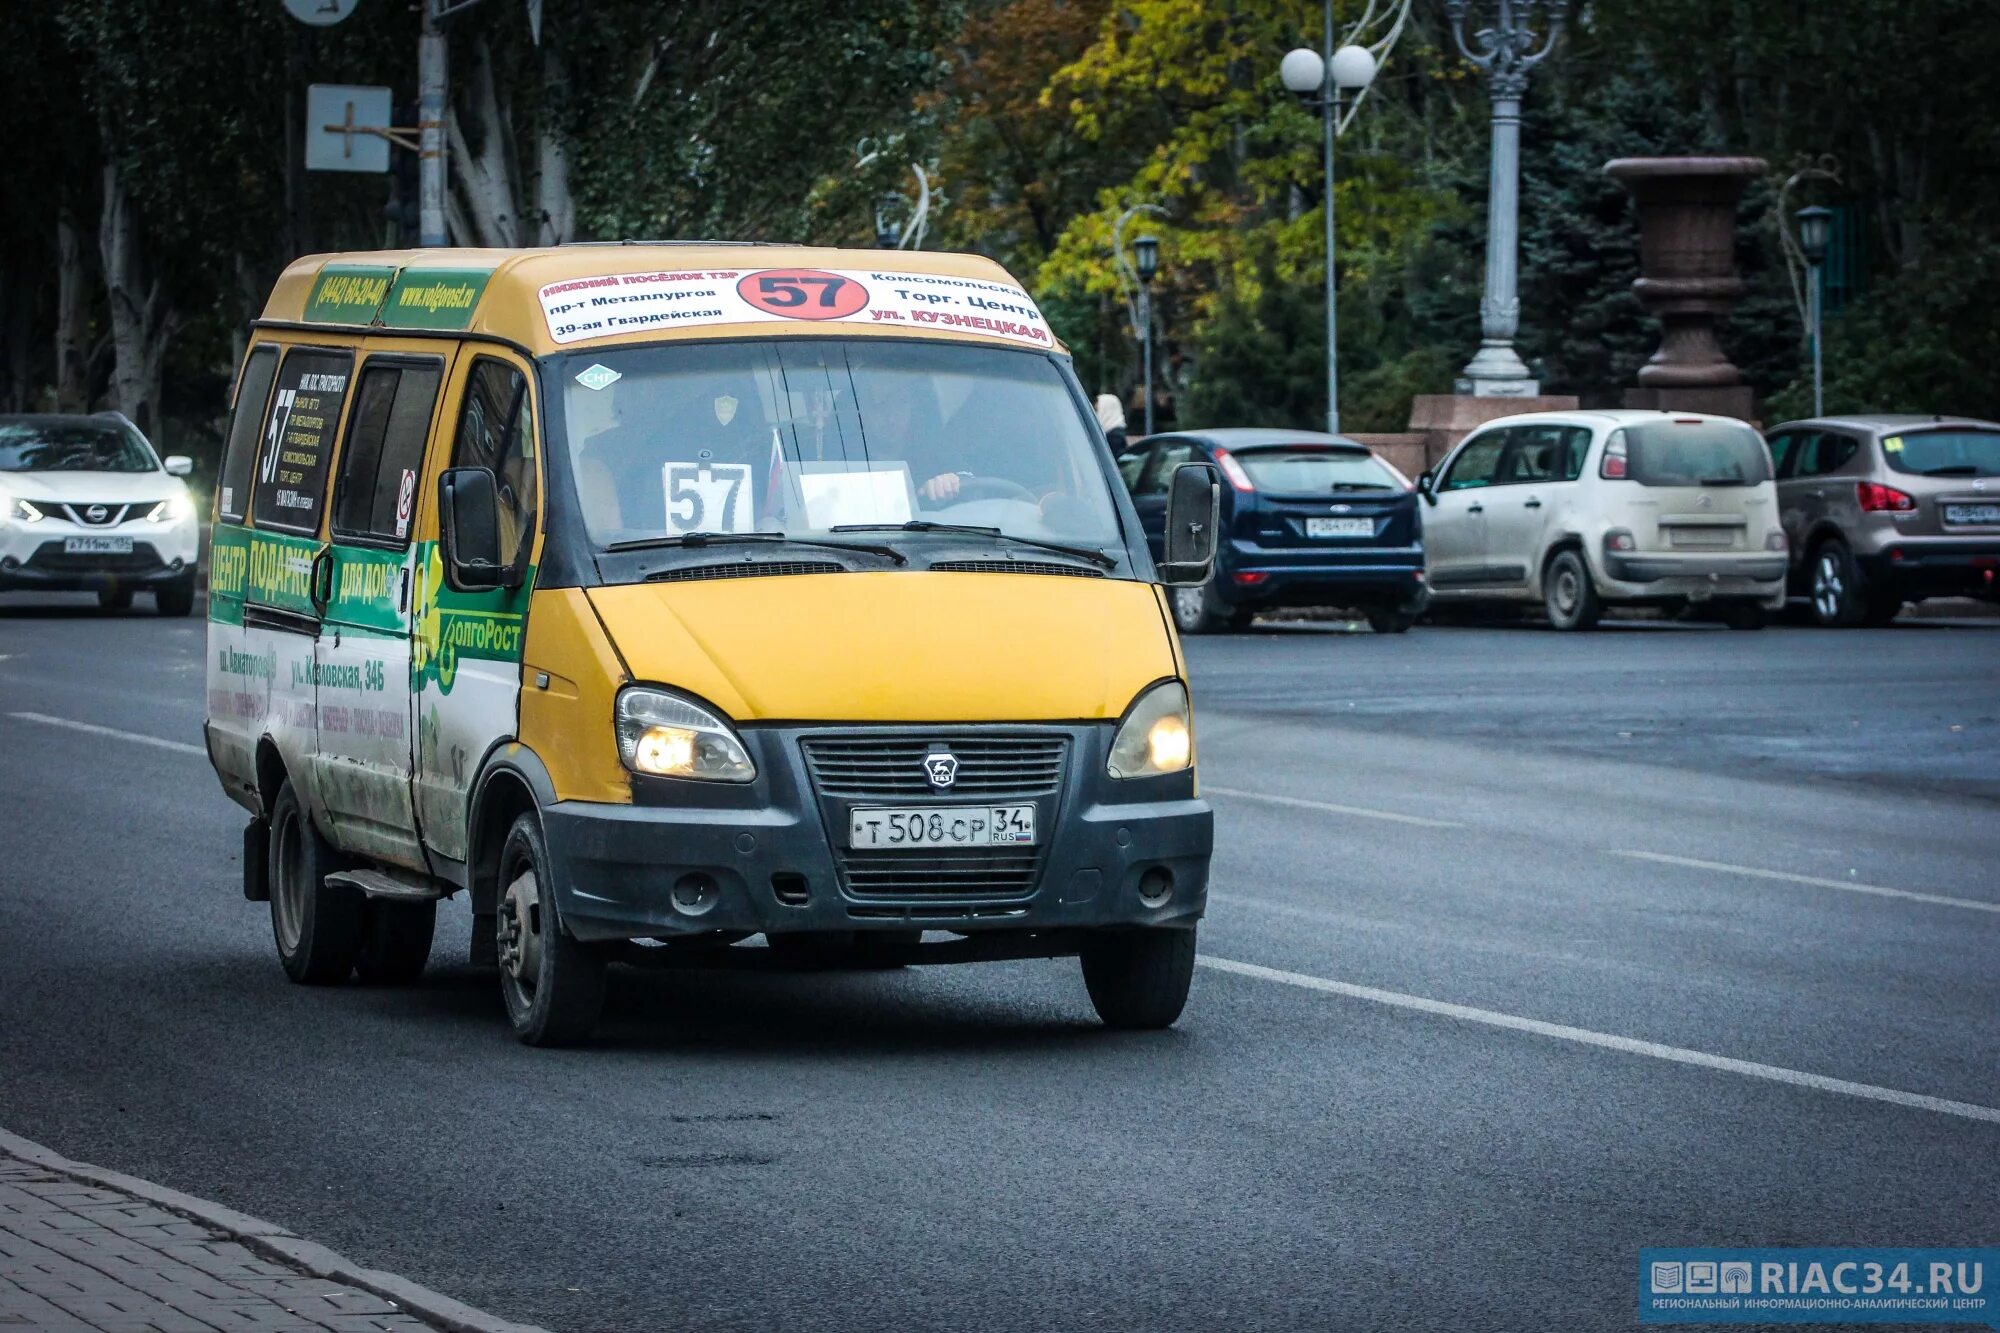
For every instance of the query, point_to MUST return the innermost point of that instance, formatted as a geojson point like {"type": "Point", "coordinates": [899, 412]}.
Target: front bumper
{"type": "Point", "coordinates": [33, 558]}
{"type": "Point", "coordinates": [1935, 567]}
{"type": "Point", "coordinates": [1643, 576]}
{"type": "Point", "coordinates": [769, 856]}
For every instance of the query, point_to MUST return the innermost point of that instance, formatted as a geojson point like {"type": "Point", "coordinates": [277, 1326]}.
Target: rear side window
{"type": "Point", "coordinates": [1696, 453]}
{"type": "Point", "coordinates": [1945, 453]}
{"type": "Point", "coordinates": [496, 430]}
{"type": "Point", "coordinates": [384, 456]}
{"type": "Point", "coordinates": [1307, 470]}
{"type": "Point", "coordinates": [1783, 447]}
{"type": "Point", "coordinates": [1822, 452]}
{"type": "Point", "coordinates": [298, 439]}
{"type": "Point", "coordinates": [246, 427]}
{"type": "Point", "coordinates": [1476, 462]}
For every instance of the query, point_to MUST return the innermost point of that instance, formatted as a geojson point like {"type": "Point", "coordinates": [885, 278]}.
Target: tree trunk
{"type": "Point", "coordinates": [142, 324]}
{"type": "Point", "coordinates": [485, 179]}
{"type": "Point", "coordinates": [555, 206]}
{"type": "Point", "coordinates": [72, 317]}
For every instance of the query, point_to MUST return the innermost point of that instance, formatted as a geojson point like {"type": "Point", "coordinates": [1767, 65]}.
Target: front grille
{"type": "Point", "coordinates": [51, 557]}
{"type": "Point", "coordinates": [990, 767]}
{"type": "Point", "coordinates": [113, 514]}
{"type": "Point", "coordinates": [745, 569]}
{"type": "Point", "coordinates": [1016, 567]}
{"type": "Point", "coordinates": [1001, 873]}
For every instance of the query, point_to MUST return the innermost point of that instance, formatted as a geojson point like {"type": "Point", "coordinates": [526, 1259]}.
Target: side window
{"type": "Point", "coordinates": [246, 427]}
{"type": "Point", "coordinates": [1167, 455]}
{"type": "Point", "coordinates": [1823, 452]}
{"type": "Point", "coordinates": [376, 494]}
{"type": "Point", "coordinates": [496, 430]}
{"type": "Point", "coordinates": [1477, 462]}
{"type": "Point", "coordinates": [1131, 463]}
{"type": "Point", "coordinates": [298, 439]}
{"type": "Point", "coordinates": [1533, 455]}
{"type": "Point", "coordinates": [1784, 453]}
{"type": "Point", "coordinates": [1575, 448]}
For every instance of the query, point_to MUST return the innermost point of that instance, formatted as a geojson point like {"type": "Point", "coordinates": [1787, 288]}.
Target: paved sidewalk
{"type": "Point", "coordinates": [78, 1254]}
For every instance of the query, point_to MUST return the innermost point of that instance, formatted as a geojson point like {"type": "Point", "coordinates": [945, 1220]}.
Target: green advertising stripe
{"type": "Point", "coordinates": [367, 588]}
{"type": "Point", "coordinates": [348, 294]}
{"type": "Point", "coordinates": [436, 298]}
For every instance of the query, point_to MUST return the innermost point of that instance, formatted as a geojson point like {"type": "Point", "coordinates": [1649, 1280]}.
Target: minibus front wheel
{"type": "Point", "coordinates": [552, 983]}
{"type": "Point", "coordinates": [1138, 979]}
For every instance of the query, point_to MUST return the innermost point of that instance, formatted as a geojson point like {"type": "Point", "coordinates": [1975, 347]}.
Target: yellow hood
{"type": "Point", "coordinates": [895, 647]}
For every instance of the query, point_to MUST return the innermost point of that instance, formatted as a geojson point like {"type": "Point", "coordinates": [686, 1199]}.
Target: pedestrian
{"type": "Point", "coordinates": [1111, 420]}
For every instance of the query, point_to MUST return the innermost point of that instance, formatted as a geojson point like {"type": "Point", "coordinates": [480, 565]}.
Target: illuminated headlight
{"type": "Point", "coordinates": [171, 510]}
{"type": "Point", "coordinates": [23, 512]}
{"type": "Point", "coordinates": [1157, 735]}
{"type": "Point", "coordinates": [667, 736]}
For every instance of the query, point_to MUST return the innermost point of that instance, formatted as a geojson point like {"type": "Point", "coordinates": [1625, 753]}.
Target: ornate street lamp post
{"type": "Point", "coordinates": [1814, 224]}
{"type": "Point", "coordinates": [1146, 258]}
{"type": "Point", "coordinates": [1506, 51]}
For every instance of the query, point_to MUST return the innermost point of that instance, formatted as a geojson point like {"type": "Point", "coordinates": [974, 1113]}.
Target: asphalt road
{"type": "Point", "coordinates": [1571, 839]}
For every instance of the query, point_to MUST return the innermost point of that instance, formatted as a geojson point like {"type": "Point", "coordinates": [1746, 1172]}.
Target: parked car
{"type": "Point", "coordinates": [1883, 510]}
{"type": "Point", "coordinates": [86, 505]}
{"type": "Point", "coordinates": [1585, 510]}
{"type": "Point", "coordinates": [1307, 520]}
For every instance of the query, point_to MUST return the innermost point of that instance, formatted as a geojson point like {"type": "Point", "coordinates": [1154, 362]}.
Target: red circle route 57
{"type": "Point", "coordinates": [803, 293]}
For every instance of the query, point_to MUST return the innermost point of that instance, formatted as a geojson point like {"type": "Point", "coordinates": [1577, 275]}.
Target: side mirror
{"type": "Point", "coordinates": [1427, 486]}
{"type": "Point", "coordinates": [1194, 518]}
{"type": "Point", "coordinates": [177, 465]}
{"type": "Point", "coordinates": [469, 527]}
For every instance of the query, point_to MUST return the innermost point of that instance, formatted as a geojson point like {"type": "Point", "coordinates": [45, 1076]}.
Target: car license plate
{"type": "Point", "coordinates": [1988, 514]}
{"type": "Point", "coordinates": [942, 826]}
{"type": "Point", "coordinates": [97, 546]}
{"type": "Point", "coordinates": [1340, 527]}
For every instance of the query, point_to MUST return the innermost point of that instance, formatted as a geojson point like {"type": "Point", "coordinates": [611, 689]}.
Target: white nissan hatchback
{"type": "Point", "coordinates": [1584, 510]}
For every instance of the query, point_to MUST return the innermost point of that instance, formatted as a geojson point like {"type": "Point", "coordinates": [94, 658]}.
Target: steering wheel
{"type": "Point", "coordinates": [990, 488]}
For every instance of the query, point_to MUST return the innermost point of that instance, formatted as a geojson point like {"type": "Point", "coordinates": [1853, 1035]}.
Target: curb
{"type": "Point", "coordinates": [275, 1243]}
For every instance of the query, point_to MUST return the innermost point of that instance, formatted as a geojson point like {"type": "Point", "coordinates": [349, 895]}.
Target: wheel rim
{"type": "Point", "coordinates": [1568, 590]}
{"type": "Point", "coordinates": [521, 923]}
{"type": "Point", "coordinates": [1187, 604]}
{"type": "Point", "coordinates": [1828, 587]}
{"type": "Point", "coordinates": [287, 892]}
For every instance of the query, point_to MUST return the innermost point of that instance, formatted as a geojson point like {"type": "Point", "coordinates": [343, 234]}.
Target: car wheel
{"type": "Point", "coordinates": [316, 927]}
{"type": "Point", "coordinates": [1837, 601]}
{"type": "Point", "coordinates": [395, 941]}
{"type": "Point", "coordinates": [1391, 622]}
{"type": "Point", "coordinates": [553, 985]}
{"type": "Point", "coordinates": [172, 599]}
{"type": "Point", "coordinates": [114, 599]}
{"type": "Point", "coordinates": [1568, 595]}
{"type": "Point", "coordinates": [1202, 611]}
{"type": "Point", "coordinates": [1138, 979]}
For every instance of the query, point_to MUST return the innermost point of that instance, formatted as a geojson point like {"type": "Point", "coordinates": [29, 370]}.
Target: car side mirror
{"type": "Point", "coordinates": [469, 528]}
{"type": "Point", "coordinates": [1427, 486]}
{"type": "Point", "coordinates": [1194, 517]}
{"type": "Point", "coordinates": [177, 465]}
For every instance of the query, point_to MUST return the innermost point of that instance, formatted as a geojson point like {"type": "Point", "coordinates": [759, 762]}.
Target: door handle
{"type": "Point", "coordinates": [1532, 504]}
{"type": "Point", "coordinates": [1475, 509]}
{"type": "Point", "coordinates": [1818, 494]}
{"type": "Point", "coordinates": [319, 581]}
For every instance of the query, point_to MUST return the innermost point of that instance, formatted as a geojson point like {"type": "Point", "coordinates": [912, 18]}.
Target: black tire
{"type": "Point", "coordinates": [395, 941]}
{"type": "Point", "coordinates": [552, 984]}
{"type": "Point", "coordinates": [1138, 979]}
{"type": "Point", "coordinates": [1202, 611]}
{"type": "Point", "coordinates": [1744, 615]}
{"type": "Point", "coordinates": [173, 599]}
{"type": "Point", "coordinates": [317, 928]}
{"type": "Point", "coordinates": [1833, 587]}
{"type": "Point", "coordinates": [1568, 595]}
{"type": "Point", "coordinates": [1391, 622]}
{"type": "Point", "coordinates": [114, 599]}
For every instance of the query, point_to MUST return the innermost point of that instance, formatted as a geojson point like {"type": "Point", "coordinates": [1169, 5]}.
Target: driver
{"type": "Point", "coordinates": [897, 423]}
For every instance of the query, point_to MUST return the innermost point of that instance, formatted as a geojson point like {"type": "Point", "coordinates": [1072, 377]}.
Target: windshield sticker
{"type": "Point", "coordinates": [598, 376]}
{"type": "Point", "coordinates": [1894, 444]}
{"type": "Point", "coordinates": [579, 309]}
{"type": "Point", "coordinates": [707, 497]}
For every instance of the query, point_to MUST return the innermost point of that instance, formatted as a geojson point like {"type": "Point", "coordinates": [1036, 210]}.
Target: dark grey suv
{"type": "Point", "coordinates": [1883, 510]}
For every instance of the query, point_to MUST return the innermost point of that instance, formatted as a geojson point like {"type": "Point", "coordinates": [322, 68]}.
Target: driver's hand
{"type": "Point", "coordinates": [941, 487]}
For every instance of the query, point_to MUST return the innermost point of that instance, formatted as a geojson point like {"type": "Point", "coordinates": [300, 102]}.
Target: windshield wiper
{"type": "Point", "coordinates": [690, 539]}
{"type": "Point", "coordinates": [1089, 553]}
{"type": "Point", "coordinates": [1953, 470]}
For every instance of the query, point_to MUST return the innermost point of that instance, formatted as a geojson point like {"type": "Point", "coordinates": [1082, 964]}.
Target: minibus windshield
{"type": "Point", "coordinates": [808, 437]}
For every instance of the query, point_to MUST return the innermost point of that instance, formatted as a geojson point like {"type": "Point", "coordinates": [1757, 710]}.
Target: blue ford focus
{"type": "Point", "coordinates": [1307, 520]}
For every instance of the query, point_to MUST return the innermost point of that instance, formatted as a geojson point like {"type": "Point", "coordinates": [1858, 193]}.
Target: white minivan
{"type": "Point", "coordinates": [1589, 509]}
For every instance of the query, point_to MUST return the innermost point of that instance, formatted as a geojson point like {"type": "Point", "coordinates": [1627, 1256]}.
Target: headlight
{"type": "Point", "coordinates": [668, 736]}
{"type": "Point", "coordinates": [171, 510]}
{"type": "Point", "coordinates": [1156, 737]}
{"type": "Point", "coordinates": [23, 512]}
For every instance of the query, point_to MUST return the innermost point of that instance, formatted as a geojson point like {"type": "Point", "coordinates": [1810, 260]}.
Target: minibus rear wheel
{"type": "Point", "coordinates": [396, 941]}
{"type": "Point", "coordinates": [1138, 979]}
{"type": "Point", "coordinates": [553, 984]}
{"type": "Point", "coordinates": [317, 928]}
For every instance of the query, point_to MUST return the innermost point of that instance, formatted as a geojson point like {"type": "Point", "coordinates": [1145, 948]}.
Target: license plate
{"type": "Point", "coordinates": [946, 826]}
{"type": "Point", "coordinates": [1984, 514]}
{"type": "Point", "coordinates": [97, 546]}
{"type": "Point", "coordinates": [1340, 527]}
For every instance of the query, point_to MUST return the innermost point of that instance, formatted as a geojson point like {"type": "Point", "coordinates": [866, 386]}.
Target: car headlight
{"type": "Point", "coordinates": [1157, 735]}
{"type": "Point", "coordinates": [171, 510]}
{"type": "Point", "coordinates": [23, 512]}
{"type": "Point", "coordinates": [665, 735]}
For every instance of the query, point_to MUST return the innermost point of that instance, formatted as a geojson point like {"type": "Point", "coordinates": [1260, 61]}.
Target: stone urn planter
{"type": "Point", "coordinates": [1687, 265]}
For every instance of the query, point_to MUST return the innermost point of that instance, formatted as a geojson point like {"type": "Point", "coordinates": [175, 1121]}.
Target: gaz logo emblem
{"type": "Point", "coordinates": [941, 767]}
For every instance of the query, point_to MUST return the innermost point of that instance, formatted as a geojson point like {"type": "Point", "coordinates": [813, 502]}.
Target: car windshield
{"type": "Point", "coordinates": [1945, 453]}
{"type": "Point", "coordinates": [1303, 469]}
{"type": "Point", "coordinates": [1671, 452]}
{"type": "Point", "coordinates": [803, 437]}
{"type": "Point", "coordinates": [78, 445]}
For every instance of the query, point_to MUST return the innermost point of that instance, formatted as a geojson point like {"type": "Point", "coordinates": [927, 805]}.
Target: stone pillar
{"type": "Point", "coordinates": [1687, 266]}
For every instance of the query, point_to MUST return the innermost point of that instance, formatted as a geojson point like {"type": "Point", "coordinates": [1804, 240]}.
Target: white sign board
{"type": "Point", "coordinates": [579, 309]}
{"type": "Point", "coordinates": [340, 120]}
{"type": "Point", "coordinates": [320, 13]}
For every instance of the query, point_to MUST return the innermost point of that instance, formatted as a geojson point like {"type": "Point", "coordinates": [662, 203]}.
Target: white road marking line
{"type": "Point", "coordinates": [1607, 1041]}
{"type": "Point", "coordinates": [1358, 811]}
{"type": "Point", "coordinates": [1787, 877]}
{"type": "Point", "coordinates": [180, 746]}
